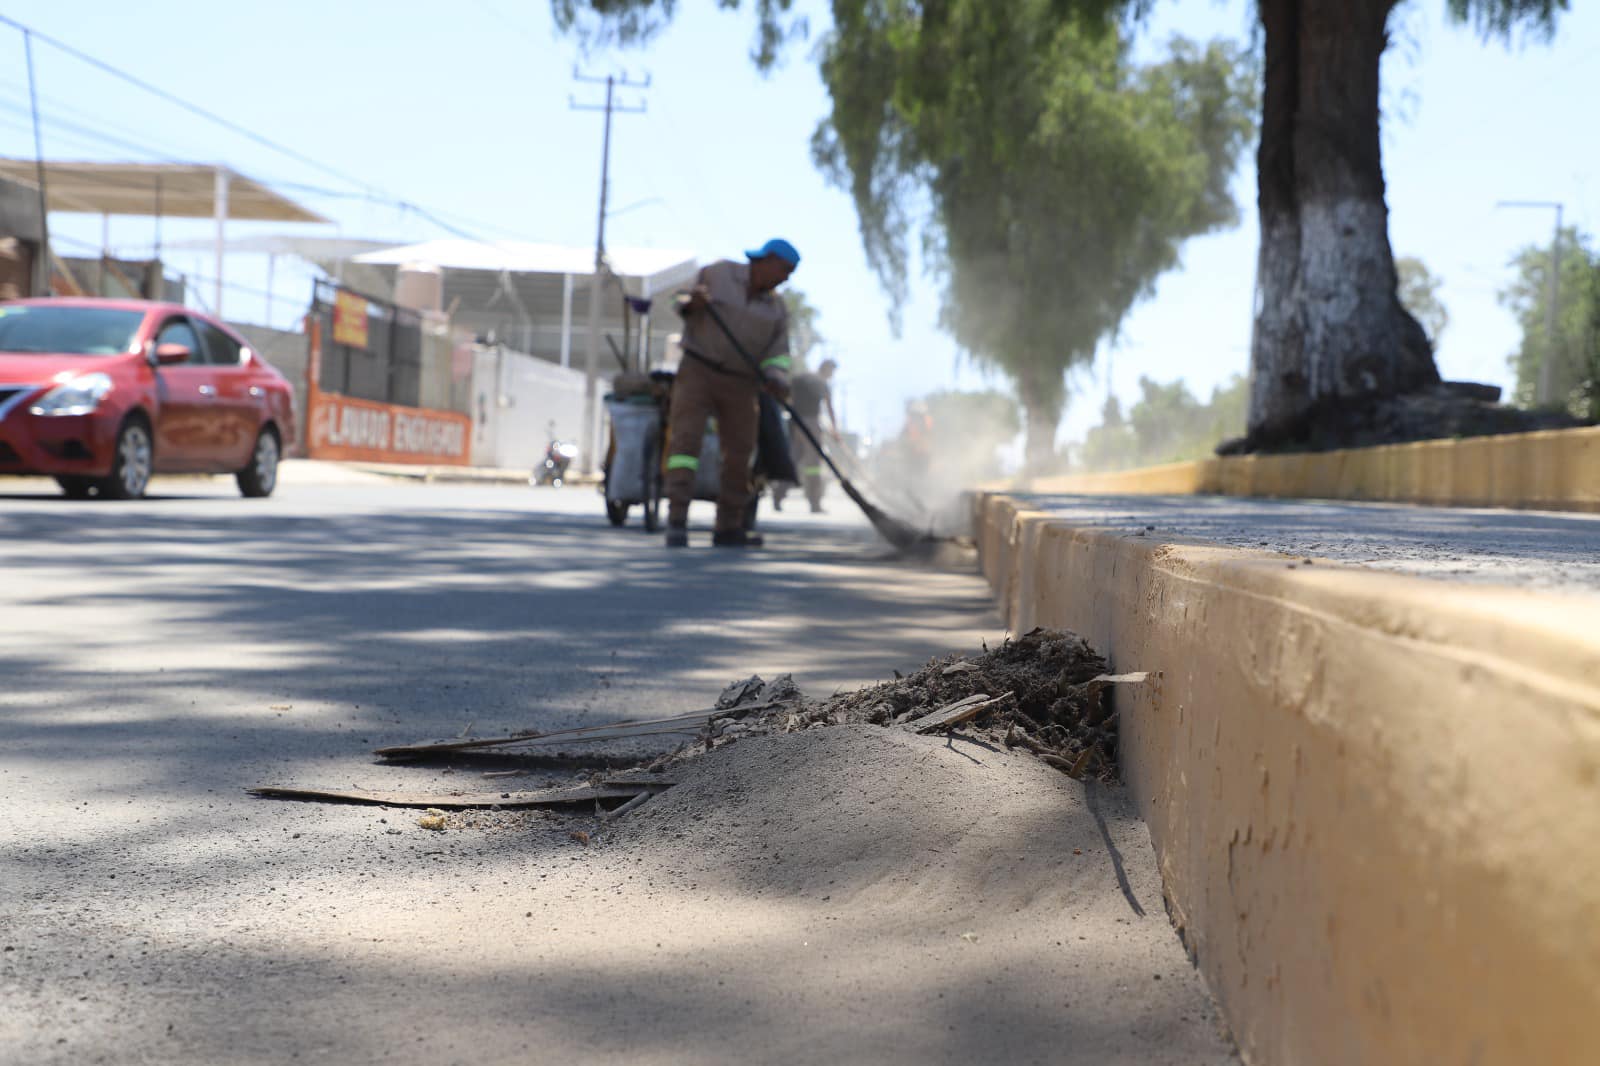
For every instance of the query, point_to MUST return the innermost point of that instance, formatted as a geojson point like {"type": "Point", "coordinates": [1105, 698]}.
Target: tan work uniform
{"type": "Point", "coordinates": [714, 380]}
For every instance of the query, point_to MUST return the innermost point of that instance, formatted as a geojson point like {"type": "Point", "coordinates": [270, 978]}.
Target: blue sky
{"type": "Point", "coordinates": [464, 109]}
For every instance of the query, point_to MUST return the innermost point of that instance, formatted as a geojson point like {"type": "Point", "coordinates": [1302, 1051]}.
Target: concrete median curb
{"type": "Point", "coordinates": [1375, 799]}
{"type": "Point", "coordinates": [1554, 470]}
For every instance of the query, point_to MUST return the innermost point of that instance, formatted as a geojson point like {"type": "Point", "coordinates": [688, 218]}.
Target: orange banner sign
{"type": "Point", "coordinates": [349, 320]}
{"type": "Point", "coordinates": [342, 428]}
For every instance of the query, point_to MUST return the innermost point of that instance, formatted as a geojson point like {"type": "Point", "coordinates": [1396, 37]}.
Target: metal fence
{"type": "Point", "coordinates": [389, 368]}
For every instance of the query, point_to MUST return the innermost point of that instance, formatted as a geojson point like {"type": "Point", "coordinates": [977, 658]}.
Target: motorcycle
{"type": "Point", "coordinates": [552, 469]}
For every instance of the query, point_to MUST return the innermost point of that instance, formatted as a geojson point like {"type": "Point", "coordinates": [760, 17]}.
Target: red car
{"type": "Point", "coordinates": [101, 394]}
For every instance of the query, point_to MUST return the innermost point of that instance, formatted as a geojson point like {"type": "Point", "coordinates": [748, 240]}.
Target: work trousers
{"type": "Point", "coordinates": [807, 462]}
{"type": "Point", "coordinates": [733, 400]}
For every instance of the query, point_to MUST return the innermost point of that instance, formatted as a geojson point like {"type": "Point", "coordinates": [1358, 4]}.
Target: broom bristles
{"type": "Point", "coordinates": [896, 532]}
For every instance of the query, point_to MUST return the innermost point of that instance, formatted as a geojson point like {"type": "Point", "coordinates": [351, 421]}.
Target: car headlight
{"type": "Point", "coordinates": [75, 396]}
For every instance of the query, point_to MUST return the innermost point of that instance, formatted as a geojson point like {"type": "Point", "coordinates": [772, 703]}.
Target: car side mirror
{"type": "Point", "coordinates": [171, 353]}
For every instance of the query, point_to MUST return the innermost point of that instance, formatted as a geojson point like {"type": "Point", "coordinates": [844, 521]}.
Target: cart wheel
{"type": "Point", "coordinates": [616, 512]}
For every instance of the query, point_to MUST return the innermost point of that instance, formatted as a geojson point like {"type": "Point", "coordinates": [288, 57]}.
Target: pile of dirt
{"type": "Point", "coordinates": [1443, 411]}
{"type": "Point", "coordinates": [871, 895]}
{"type": "Point", "coordinates": [1045, 692]}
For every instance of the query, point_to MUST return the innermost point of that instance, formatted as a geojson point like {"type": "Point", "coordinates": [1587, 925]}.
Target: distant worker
{"type": "Point", "coordinates": [918, 440]}
{"type": "Point", "coordinates": [715, 380]}
{"type": "Point", "coordinates": [812, 394]}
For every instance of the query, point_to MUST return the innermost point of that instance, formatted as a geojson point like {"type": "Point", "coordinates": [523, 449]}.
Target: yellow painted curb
{"type": "Point", "coordinates": [1554, 470]}
{"type": "Point", "coordinates": [1375, 799]}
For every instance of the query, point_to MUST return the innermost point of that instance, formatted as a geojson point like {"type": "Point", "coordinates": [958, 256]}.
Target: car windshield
{"type": "Point", "coordinates": [69, 330]}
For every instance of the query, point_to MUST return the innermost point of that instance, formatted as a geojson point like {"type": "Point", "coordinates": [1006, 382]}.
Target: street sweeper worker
{"type": "Point", "coordinates": [716, 381]}
{"type": "Point", "coordinates": [812, 393]}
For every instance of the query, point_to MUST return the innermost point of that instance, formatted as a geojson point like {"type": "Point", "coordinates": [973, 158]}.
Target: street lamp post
{"type": "Point", "coordinates": [1546, 381]}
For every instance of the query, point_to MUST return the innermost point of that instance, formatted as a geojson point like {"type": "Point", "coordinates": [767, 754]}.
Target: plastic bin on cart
{"type": "Point", "coordinates": [633, 475]}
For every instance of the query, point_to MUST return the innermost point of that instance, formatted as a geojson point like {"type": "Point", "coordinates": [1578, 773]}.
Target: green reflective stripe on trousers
{"type": "Point", "coordinates": [782, 362]}
{"type": "Point", "coordinates": [811, 471]}
{"type": "Point", "coordinates": [683, 462]}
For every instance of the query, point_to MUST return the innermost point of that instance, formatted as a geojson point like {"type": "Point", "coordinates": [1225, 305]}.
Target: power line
{"type": "Point", "coordinates": [84, 120]}
{"type": "Point", "coordinates": [89, 136]}
{"type": "Point", "coordinates": [178, 101]}
{"type": "Point", "coordinates": [372, 192]}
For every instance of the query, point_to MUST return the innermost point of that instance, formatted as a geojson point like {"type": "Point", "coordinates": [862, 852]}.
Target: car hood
{"type": "Point", "coordinates": [28, 368]}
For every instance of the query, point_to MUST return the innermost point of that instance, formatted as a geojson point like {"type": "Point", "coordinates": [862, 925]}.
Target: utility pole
{"type": "Point", "coordinates": [1545, 386]}
{"type": "Point", "coordinates": [591, 443]}
{"type": "Point", "coordinates": [44, 269]}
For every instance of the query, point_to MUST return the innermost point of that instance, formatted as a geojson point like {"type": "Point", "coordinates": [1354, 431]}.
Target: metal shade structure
{"type": "Point", "coordinates": [525, 291]}
{"type": "Point", "coordinates": [167, 190]}
{"type": "Point", "coordinates": [159, 190]}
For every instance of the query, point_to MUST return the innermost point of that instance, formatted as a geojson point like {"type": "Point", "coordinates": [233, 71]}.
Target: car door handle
{"type": "Point", "coordinates": [208, 390]}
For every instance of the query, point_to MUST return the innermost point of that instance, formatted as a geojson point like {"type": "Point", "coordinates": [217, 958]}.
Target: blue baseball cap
{"type": "Point", "coordinates": [778, 247]}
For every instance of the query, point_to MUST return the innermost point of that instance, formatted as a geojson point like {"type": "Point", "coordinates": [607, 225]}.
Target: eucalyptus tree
{"type": "Point", "coordinates": [1573, 349]}
{"type": "Point", "coordinates": [1418, 290]}
{"type": "Point", "coordinates": [1059, 178]}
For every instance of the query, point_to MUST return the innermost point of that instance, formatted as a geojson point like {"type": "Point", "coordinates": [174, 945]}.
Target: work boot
{"type": "Point", "coordinates": [736, 538]}
{"type": "Point", "coordinates": [677, 536]}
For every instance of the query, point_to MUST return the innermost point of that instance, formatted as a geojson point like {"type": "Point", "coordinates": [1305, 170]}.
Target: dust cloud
{"type": "Point", "coordinates": [948, 444]}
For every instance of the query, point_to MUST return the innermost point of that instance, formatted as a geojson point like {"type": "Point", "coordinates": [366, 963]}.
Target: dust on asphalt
{"type": "Point", "coordinates": [1047, 700]}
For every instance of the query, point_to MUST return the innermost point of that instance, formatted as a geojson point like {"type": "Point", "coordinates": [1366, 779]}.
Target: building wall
{"type": "Point", "coordinates": [519, 404]}
{"type": "Point", "coordinates": [526, 312]}
{"type": "Point", "coordinates": [19, 220]}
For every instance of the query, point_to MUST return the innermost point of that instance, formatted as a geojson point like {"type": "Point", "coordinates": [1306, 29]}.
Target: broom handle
{"type": "Point", "coordinates": [755, 366]}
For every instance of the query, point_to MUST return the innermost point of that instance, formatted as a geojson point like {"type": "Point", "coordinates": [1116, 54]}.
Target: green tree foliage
{"type": "Point", "coordinates": [969, 432]}
{"type": "Point", "coordinates": [1111, 445]}
{"type": "Point", "coordinates": [1050, 179]}
{"type": "Point", "coordinates": [1500, 18]}
{"type": "Point", "coordinates": [1419, 292]}
{"type": "Point", "coordinates": [627, 23]}
{"type": "Point", "coordinates": [1575, 345]}
{"type": "Point", "coordinates": [1167, 425]}
{"type": "Point", "coordinates": [804, 336]}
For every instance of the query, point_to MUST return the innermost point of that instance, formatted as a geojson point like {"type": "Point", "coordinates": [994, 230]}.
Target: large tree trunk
{"type": "Point", "coordinates": [1329, 326]}
{"type": "Point", "coordinates": [1043, 419]}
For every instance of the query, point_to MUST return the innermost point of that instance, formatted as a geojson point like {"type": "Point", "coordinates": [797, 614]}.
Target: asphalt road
{"type": "Point", "coordinates": [160, 656]}
{"type": "Point", "coordinates": [1549, 551]}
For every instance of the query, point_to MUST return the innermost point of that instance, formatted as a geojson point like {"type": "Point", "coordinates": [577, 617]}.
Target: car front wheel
{"type": "Point", "coordinates": [260, 477]}
{"type": "Point", "coordinates": [131, 464]}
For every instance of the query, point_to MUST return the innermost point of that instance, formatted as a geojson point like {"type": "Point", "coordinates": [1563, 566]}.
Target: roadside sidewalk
{"type": "Point", "coordinates": [321, 471]}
